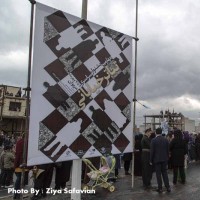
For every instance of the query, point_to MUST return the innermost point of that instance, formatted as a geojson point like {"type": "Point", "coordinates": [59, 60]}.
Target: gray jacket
{"type": "Point", "coordinates": [9, 160]}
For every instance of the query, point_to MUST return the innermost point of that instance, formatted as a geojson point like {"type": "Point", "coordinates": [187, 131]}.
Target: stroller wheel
{"type": "Point", "coordinates": [105, 185]}
{"type": "Point", "coordinates": [112, 188]}
{"type": "Point", "coordinates": [85, 187]}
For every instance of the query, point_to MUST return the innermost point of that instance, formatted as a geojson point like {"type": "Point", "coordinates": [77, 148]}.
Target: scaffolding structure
{"type": "Point", "coordinates": [174, 120]}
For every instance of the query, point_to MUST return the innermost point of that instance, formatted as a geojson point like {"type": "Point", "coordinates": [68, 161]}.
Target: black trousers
{"type": "Point", "coordinates": [161, 173]}
{"type": "Point", "coordinates": [7, 177]}
{"type": "Point", "coordinates": [181, 172]}
{"type": "Point", "coordinates": [127, 165]}
{"type": "Point", "coordinates": [146, 169]}
{"type": "Point", "coordinates": [62, 175]}
{"type": "Point", "coordinates": [2, 176]}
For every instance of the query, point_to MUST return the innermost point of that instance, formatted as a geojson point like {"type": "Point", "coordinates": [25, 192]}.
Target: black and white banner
{"type": "Point", "coordinates": [81, 100]}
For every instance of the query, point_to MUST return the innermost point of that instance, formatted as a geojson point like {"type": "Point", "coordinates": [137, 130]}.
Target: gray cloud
{"type": "Point", "coordinates": [168, 60]}
{"type": "Point", "coordinates": [13, 26]}
{"type": "Point", "coordinates": [168, 49]}
{"type": "Point", "coordinates": [13, 77]}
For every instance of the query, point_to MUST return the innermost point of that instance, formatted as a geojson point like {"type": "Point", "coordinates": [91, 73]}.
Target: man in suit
{"type": "Point", "coordinates": [159, 154]}
{"type": "Point", "coordinates": [146, 167]}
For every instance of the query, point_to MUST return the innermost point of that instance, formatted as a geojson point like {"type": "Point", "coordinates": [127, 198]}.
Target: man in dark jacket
{"type": "Point", "coordinates": [146, 167]}
{"type": "Point", "coordinates": [178, 149]}
{"type": "Point", "coordinates": [159, 155]}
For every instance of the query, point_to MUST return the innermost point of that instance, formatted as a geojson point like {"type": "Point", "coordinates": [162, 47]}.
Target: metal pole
{"type": "Point", "coordinates": [2, 102]}
{"type": "Point", "coordinates": [84, 9]}
{"type": "Point", "coordinates": [77, 164]}
{"type": "Point", "coordinates": [135, 81]}
{"type": "Point", "coordinates": [28, 89]}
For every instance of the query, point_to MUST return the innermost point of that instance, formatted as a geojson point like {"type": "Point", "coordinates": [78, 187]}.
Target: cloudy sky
{"type": "Point", "coordinates": [168, 47]}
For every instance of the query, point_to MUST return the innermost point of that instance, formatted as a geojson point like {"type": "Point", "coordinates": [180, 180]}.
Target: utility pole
{"type": "Point", "coordinates": [28, 89]}
{"type": "Point", "coordinates": [2, 102]}
{"type": "Point", "coordinates": [135, 89]}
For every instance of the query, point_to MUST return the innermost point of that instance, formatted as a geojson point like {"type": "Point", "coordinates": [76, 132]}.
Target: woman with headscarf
{"type": "Point", "coordinates": [178, 149]}
{"type": "Point", "coordinates": [197, 147]}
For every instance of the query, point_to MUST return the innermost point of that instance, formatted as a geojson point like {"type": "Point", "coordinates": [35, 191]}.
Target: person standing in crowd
{"type": "Point", "coordinates": [169, 137]}
{"type": "Point", "coordinates": [138, 155]}
{"type": "Point", "coordinates": [8, 166]}
{"type": "Point", "coordinates": [1, 139]}
{"type": "Point", "coordinates": [42, 180]}
{"type": "Point", "coordinates": [191, 148]}
{"type": "Point", "coordinates": [197, 147]}
{"type": "Point", "coordinates": [117, 165]}
{"type": "Point", "coordinates": [153, 135]}
{"type": "Point", "coordinates": [159, 155]}
{"type": "Point", "coordinates": [127, 157]}
{"type": "Point", "coordinates": [18, 166]}
{"type": "Point", "coordinates": [7, 141]}
{"type": "Point", "coordinates": [178, 149]}
{"type": "Point", "coordinates": [2, 166]}
{"type": "Point", "coordinates": [13, 140]}
{"type": "Point", "coordinates": [146, 167]}
{"type": "Point", "coordinates": [63, 170]}
{"type": "Point", "coordinates": [186, 138]}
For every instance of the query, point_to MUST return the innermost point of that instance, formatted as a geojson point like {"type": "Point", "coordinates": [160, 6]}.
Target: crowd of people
{"type": "Point", "coordinates": [7, 157]}
{"type": "Point", "coordinates": [154, 152]}
{"type": "Point", "coordinates": [157, 152]}
{"type": "Point", "coordinates": [12, 162]}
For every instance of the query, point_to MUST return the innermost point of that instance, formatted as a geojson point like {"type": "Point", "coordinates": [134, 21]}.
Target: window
{"type": "Point", "coordinates": [15, 106]}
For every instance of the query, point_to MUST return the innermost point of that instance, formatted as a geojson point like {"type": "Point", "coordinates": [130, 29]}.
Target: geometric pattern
{"type": "Point", "coordinates": [91, 74]}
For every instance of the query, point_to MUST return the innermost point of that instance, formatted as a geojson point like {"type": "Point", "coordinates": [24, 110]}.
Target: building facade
{"type": "Point", "coordinates": [12, 110]}
{"type": "Point", "coordinates": [189, 125]}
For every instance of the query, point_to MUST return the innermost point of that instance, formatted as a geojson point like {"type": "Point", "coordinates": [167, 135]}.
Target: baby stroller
{"type": "Point", "coordinates": [101, 177]}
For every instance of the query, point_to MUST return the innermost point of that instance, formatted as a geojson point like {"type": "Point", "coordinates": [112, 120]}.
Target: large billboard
{"type": "Point", "coordinates": [81, 97]}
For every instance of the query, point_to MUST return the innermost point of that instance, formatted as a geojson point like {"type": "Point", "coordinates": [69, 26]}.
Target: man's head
{"type": "Point", "coordinates": [158, 131]}
{"type": "Point", "coordinates": [96, 41]}
{"type": "Point", "coordinates": [46, 84]}
{"type": "Point", "coordinates": [178, 134]}
{"type": "Point", "coordinates": [91, 108]}
{"type": "Point", "coordinates": [148, 132]}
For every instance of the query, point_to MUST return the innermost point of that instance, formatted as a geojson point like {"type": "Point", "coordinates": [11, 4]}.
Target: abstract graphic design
{"type": "Point", "coordinates": [81, 89]}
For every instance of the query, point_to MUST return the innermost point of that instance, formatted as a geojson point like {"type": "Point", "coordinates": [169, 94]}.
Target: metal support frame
{"type": "Point", "coordinates": [77, 164]}
{"type": "Point", "coordinates": [28, 89]}
{"type": "Point", "coordinates": [2, 105]}
{"type": "Point", "coordinates": [84, 9]}
{"type": "Point", "coordinates": [135, 89]}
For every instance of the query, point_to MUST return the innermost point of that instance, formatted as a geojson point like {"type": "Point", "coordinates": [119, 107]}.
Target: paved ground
{"type": "Point", "coordinates": [189, 191]}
